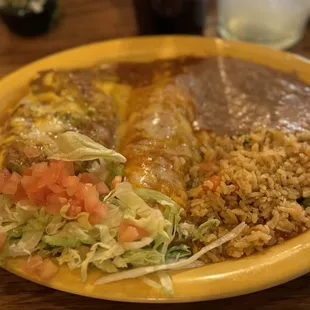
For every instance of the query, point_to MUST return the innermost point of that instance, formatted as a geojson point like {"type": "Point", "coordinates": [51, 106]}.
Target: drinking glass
{"type": "Point", "coordinates": [275, 23]}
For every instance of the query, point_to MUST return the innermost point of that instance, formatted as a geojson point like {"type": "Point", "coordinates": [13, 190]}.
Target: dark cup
{"type": "Point", "coordinates": [27, 23]}
{"type": "Point", "coordinates": [170, 16]}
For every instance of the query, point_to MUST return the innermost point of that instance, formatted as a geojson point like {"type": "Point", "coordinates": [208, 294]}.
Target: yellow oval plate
{"type": "Point", "coordinates": [235, 277]}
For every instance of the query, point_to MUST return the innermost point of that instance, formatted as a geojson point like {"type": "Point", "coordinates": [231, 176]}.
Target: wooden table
{"type": "Point", "coordinates": [85, 21]}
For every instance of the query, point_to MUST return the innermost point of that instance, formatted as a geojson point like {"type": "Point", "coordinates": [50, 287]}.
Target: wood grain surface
{"type": "Point", "coordinates": [85, 21]}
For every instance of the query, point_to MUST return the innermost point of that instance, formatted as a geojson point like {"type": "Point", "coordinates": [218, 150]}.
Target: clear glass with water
{"type": "Point", "coordinates": [276, 23]}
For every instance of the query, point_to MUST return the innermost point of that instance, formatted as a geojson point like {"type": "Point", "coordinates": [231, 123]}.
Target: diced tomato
{"type": "Point", "coordinates": [87, 178]}
{"type": "Point", "coordinates": [4, 176]}
{"type": "Point", "coordinates": [2, 240]}
{"type": "Point", "coordinates": [76, 207]}
{"type": "Point", "coordinates": [53, 174]}
{"type": "Point", "coordinates": [116, 180]}
{"type": "Point", "coordinates": [47, 270]}
{"type": "Point", "coordinates": [65, 168]}
{"type": "Point", "coordinates": [71, 184]}
{"type": "Point", "coordinates": [39, 196]}
{"type": "Point", "coordinates": [48, 178]}
{"type": "Point", "coordinates": [142, 232]}
{"type": "Point", "coordinates": [33, 264]}
{"type": "Point", "coordinates": [54, 185]}
{"type": "Point", "coordinates": [27, 171]}
{"type": "Point", "coordinates": [56, 188]}
{"type": "Point", "coordinates": [128, 232]}
{"type": "Point", "coordinates": [27, 181]}
{"type": "Point", "coordinates": [31, 152]}
{"type": "Point", "coordinates": [44, 269]}
{"type": "Point", "coordinates": [56, 169]}
{"type": "Point", "coordinates": [20, 193]}
{"type": "Point", "coordinates": [52, 209]}
{"type": "Point", "coordinates": [91, 198]}
{"type": "Point", "coordinates": [100, 213]}
{"type": "Point", "coordinates": [216, 180]}
{"type": "Point", "coordinates": [70, 181]}
{"type": "Point", "coordinates": [59, 199]}
{"type": "Point", "coordinates": [74, 211]}
{"type": "Point", "coordinates": [38, 184]}
{"type": "Point", "coordinates": [15, 177]}
{"type": "Point", "coordinates": [71, 191]}
{"type": "Point", "coordinates": [69, 167]}
{"type": "Point", "coordinates": [9, 188]}
{"type": "Point", "coordinates": [81, 191]}
{"type": "Point", "coordinates": [5, 173]}
{"type": "Point", "coordinates": [54, 203]}
{"type": "Point", "coordinates": [102, 188]}
{"type": "Point", "coordinates": [39, 169]}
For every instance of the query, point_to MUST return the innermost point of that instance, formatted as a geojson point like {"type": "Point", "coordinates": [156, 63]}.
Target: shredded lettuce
{"type": "Point", "coordinates": [149, 194]}
{"type": "Point", "coordinates": [71, 257]}
{"type": "Point", "coordinates": [176, 252]}
{"type": "Point", "coordinates": [106, 266]}
{"type": "Point", "coordinates": [99, 253]}
{"type": "Point", "coordinates": [204, 228]}
{"type": "Point", "coordinates": [27, 244]}
{"type": "Point", "coordinates": [141, 271]}
{"type": "Point", "coordinates": [106, 171]}
{"type": "Point", "coordinates": [55, 224]}
{"type": "Point", "coordinates": [106, 235]}
{"type": "Point", "coordinates": [15, 233]}
{"type": "Point", "coordinates": [73, 146]}
{"type": "Point", "coordinates": [32, 233]}
{"type": "Point", "coordinates": [13, 215]}
{"type": "Point", "coordinates": [138, 212]}
{"type": "Point", "coordinates": [81, 218]}
{"type": "Point", "coordinates": [151, 282]}
{"type": "Point", "coordinates": [6, 214]}
{"type": "Point", "coordinates": [113, 169]}
{"type": "Point", "coordinates": [114, 217]}
{"type": "Point", "coordinates": [165, 281]}
{"type": "Point", "coordinates": [186, 229]}
{"type": "Point", "coordinates": [137, 244]}
{"type": "Point", "coordinates": [143, 257]}
{"type": "Point", "coordinates": [120, 262]}
{"type": "Point", "coordinates": [171, 215]}
{"type": "Point", "coordinates": [72, 235]}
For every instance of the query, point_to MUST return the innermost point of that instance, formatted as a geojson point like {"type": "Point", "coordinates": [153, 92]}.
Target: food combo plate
{"type": "Point", "coordinates": [233, 277]}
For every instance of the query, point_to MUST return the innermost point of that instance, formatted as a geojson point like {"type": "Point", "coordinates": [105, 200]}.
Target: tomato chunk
{"type": "Point", "coordinates": [39, 169]}
{"type": "Point", "coordinates": [9, 188]}
{"type": "Point", "coordinates": [20, 193]}
{"type": "Point", "coordinates": [216, 180]}
{"type": "Point", "coordinates": [47, 270]}
{"type": "Point", "coordinates": [56, 188]}
{"type": "Point", "coordinates": [116, 180]}
{"type": "Point", "coordinates": [91, 198]}
{"type": "Point", "coordinates": [128, 232]}
{"type": "Point", "coordinates": [44, 269]}
{"type": "Point", "coordinates": [15, 177]}
{"type": "Point", "coordinates": [102, 188]}
{"type": "Point", "coordinates": [98, 214]}
{"type": "Point", "coordinates": [88, 178]}
{"type": "Point", "coordinates": [4, 177]}
{"type": "Point", "coordinates": [33, 264]}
